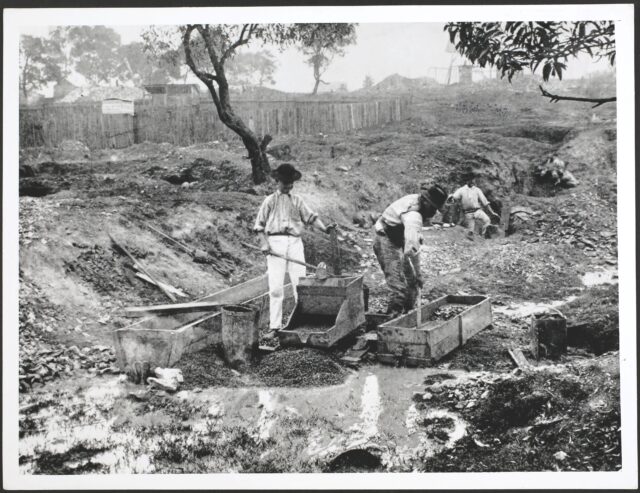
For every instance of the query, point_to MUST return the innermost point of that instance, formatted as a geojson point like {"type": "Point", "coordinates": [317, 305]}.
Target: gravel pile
{"type": "Point", "coordinates": [299, 368]}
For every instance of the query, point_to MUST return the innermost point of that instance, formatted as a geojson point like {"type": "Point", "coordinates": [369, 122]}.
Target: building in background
{"type": "Point", "coordinates": [164, 94]}
{"type": "Point", "coordinates": [101, 93]}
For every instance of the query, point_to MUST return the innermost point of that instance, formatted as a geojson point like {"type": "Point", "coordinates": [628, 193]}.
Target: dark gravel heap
{"type": "Point", "coordinates": [283, 368]}
{"type": "Point", "coordinates": [206, 369]}
{"type": "Point", "coordinates": [299, 368]}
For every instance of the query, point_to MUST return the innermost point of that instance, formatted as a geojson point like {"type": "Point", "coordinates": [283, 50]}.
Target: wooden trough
{"type": "Point", "coordinates": [162, 340]}
{"type": "Point", "coordinates": [327, 310]}
{"type": "Point", "coordinates": [399, 340]}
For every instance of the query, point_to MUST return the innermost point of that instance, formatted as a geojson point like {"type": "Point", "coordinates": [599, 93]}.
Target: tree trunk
{"type": "Point", "coordinates": [315, 87]}
{"type": "Point", "coordinates": [260, 169]}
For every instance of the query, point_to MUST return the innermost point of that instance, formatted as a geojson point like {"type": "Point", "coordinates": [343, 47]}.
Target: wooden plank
{"type": "Point", "coordinates": [142, 268]}
{"type": "Point", "coordinates": [171, 309]}
{"type": "Point", "coordinates": [320, 305]}
{"type": "Point", "coordinates": [476, 318]}
{"type": "Point", "coordinates": [242, 292]}
{"type": "Point", "coordinates": [444, 338]}
{"type": "Point", "coordinates": [519, 359]}
{"type": "Point", "coordinates": [168, 287]}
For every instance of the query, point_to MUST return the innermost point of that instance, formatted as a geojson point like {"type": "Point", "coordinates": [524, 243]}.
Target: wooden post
{"type": "Point", "coordinates": [548, 335]}
{"type": "Point", "coordinates": [335, 252]}
{"type": "Point", "coordinates": [239, 334]}
{"type": "Point", "coordinates": [504, 218]}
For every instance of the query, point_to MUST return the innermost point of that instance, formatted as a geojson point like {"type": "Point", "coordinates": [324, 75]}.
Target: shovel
{"type": "Point", "coordinates": [320, 269]}
{"type": "Point", "coordinates": [419, 308]}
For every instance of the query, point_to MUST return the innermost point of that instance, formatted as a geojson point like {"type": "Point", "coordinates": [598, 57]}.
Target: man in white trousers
{"type": "Point", "coordinates": [279, 223]}
{"type": "Point", "coordinates": [472, 202]}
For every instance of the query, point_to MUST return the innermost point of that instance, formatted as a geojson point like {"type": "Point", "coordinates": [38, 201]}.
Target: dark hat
{"type": "Point", "coordinates": [286, 173]}
{"type": "Point", "coordinates": [468, 174]}
{"type": "Point", "coordinates": [434, 194]}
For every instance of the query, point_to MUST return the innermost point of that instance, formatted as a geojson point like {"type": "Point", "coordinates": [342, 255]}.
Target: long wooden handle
{"type": "Point", "coordinates": [300, 262]}
{"type": "Point", "coordinates": [190, 251]}
{"type": "Point", "coordinates": [419, 300]}
{"type": "Point", "coordinates": [144, 271]}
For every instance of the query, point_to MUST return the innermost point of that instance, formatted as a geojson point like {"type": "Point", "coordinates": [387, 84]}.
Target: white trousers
{"type": "Point", "coordinates": [289, 246]}
{"type": "Point", "coordinates": [470, 219]}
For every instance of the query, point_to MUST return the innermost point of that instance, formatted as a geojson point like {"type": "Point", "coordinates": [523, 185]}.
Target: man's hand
{"type": "Point", "coordinates": [330, 227]}
{"type": "Point", "coordinates": [419, 282]}
{"type": "Point", "coordinates": [266, 250]}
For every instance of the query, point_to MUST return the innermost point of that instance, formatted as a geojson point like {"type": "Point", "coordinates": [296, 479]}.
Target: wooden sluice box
{"type": "Point", "coordinates": [399, 340]}
{"type": "Point", "coordinates": [327, 310]}
{"type": "Point", "coordinates": [164, 339]}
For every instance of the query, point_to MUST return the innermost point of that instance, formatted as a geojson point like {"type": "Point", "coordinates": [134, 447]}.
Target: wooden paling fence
{"type": "Point", "coordinates": [198, 122]}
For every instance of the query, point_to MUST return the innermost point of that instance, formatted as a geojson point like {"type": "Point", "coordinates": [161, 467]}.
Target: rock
{"type": "Point", "coordinates": [561, 456]}
{"type": "Point", "coordinates": [427, 396]}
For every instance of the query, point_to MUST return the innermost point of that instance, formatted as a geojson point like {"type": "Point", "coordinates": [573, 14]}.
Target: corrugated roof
{"type": "Point", "coordinates": [86, 94]}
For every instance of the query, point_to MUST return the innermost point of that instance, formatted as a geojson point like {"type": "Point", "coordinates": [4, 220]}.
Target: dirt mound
{"type": "Point", "coordinates": [300, 368]}
{"type": "Point", "coordinates": [285, 368]}
{"type": "Point", "coordinates": [522, 423]}
{"type": "Point", "coordinates": [593, 320]}
{"type": "Point", "coordinates": [111, 274]}
{"type": "Point", "coordinates": [205, 369]}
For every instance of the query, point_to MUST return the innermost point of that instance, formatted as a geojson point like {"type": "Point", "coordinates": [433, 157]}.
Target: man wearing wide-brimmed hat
{"type": "Point", "coordinates": [280, 221]}
{"type": "Point", "coordinates": [472, 202]}
{"type": "Point", "coordinates": [398, 236]}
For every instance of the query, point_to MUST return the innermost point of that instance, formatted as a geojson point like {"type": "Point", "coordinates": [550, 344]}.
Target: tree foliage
{"type": "Point", "coordinates": [142, 67]}
{"type": "Point", "coordinates": [514, 46]}
{"type": "Point", "coordinates": [368, 82]}
{"type": "Point", "coordinates": [252, 68]}
{"type": "Point", "coordinates": [93, 51]}
{"type": "Point", "coordinates": [320, 43]}
{"type": "Point", "coordinates": [40, 62]}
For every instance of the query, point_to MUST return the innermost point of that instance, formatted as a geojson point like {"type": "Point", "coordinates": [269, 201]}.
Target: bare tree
{"type": "Point", "coordinates": [321, 43]}
{"type": "Point", "coordinates": [207, 50]}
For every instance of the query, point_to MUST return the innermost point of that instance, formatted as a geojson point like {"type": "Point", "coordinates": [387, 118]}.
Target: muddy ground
{"type": "Point", "coordinates": [303, 410]}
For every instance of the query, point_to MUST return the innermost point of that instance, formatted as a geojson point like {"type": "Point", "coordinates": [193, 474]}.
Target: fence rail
{"type": "Point", "coordinates": [198, 122]}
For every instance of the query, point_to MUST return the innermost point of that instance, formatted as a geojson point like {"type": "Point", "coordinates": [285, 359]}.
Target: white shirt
{"type": "Point", "coordinates": [405, 210]}
{"type": "Point", "coordinates": [470, 198]}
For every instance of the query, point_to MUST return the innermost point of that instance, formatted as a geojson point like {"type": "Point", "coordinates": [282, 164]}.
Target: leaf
{"type": "Point", "coordinates": [546, 70]}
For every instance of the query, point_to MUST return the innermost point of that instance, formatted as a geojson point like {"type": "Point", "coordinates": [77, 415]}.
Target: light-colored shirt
{"type": "Point", "coordinates": [283, 214]}
{"type": "Point", "coordinates": [470, 198]}
{"type": "Point", "coordinates": [405, 210]}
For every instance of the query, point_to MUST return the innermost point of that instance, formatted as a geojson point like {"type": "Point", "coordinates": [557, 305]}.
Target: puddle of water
{"type": "Point", "coordinates": [526, 309]}
{"type": "Point", "coordinates": [597, 278]}
{"type": "Point", "coordinates": [360, 412]}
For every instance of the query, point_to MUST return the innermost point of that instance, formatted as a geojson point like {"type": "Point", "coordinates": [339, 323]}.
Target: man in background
{"type": "Point", "coordinates": [473, 202]}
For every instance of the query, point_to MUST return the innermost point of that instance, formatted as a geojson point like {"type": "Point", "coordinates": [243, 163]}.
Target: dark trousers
{"type": "Point", "coordinates": [398, 273]}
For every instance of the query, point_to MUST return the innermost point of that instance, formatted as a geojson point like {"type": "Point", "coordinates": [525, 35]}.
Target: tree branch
{"type": "Point", "coordinates": [205, 77]}
{"type": "Point", "coordinates": [208, 42]}
{"type": "Point", "coordinates": [241, 41]}
{"type": "Point", "coordinates": [553, 98]}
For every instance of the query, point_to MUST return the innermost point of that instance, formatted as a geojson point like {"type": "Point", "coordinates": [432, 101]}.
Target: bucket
{"type": "Point", "coordinates": [240, 331]}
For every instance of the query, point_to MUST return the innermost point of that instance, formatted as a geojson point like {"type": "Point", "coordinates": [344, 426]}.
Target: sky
{"type": "Point", "coordinates": [408, 49]}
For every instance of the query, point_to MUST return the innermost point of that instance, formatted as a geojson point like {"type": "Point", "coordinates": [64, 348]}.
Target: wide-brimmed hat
{"type": "Point", "coordinates": [434, 195]}
{"type": "Point", "coordinates": [468, 174]}
{"type": "Point", "coordinates": [286, 173]}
